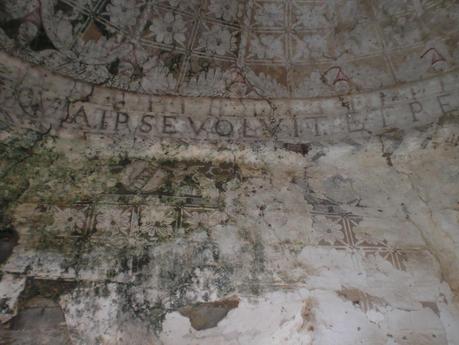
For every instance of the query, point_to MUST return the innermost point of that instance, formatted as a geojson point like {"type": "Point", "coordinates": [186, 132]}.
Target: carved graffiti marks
{"type": "Point", "coordinates": [438, 62]}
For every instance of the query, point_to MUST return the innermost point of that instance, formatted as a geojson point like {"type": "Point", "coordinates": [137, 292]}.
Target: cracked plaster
{"type": "Point", "coordinates": [259, 218]}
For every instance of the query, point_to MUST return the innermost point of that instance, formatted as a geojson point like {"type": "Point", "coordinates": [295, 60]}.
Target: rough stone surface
{"type": "Point", "coordinates": [256, 218]}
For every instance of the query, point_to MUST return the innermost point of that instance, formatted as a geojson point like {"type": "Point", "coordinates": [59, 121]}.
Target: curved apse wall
{"type": "Point", "coordinates": [215, 172]}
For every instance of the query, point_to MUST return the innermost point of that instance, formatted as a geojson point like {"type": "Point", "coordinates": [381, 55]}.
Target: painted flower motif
{"type": "Point", "coordinates": [267, 47]}
{"type": "Point", "coordinates": [266, 85]}
{"type": "Point", "coordinates": [123, 13]}
{"type": "Point", "coordinates": [394, 8]}
{"type": "Point", "coordinates": [156, 77]}
{"type": "Point", "coordinates": [169, 29]}
{"type": "Point", "coordinates": [199, 220]}
{"type": "Point", "coordinates": [184, 4]}
{"type": "Point", "coordinates": [208, 83]}
{"type": "Point", "coordinates": [218, 40]}
{"type": "Point", "coordinates": [95, 73]}
{"type": "Point", "coordinates": [269, 14]}
{"type": "Point", "coordinates": [62, 28]}
{"type": "Point", "coordinates": [93, 52]}
{"type": "Point", "coordinates": [157, 223]}
{"type": "Point", "coordinates": [327, 230]}
{"type": "Point", "coordinates": [311, 46]}
{"type": "Point", "coordinates": [19, 8]}
{"type": "Point", "coordinates": [91, 4]}
{"type": "Point", "coordinates": [227, 10]}
{"type": "Point", "coordinates": [113, 221]}
{"type": "Point", "coordinates": [69, 219]}
{"type": "Point", "coordinates": [313, 17]}
{"type": "Point", "coordinates": [26, 33]}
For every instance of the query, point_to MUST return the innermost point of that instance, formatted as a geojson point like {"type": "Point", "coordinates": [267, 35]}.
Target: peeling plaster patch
{"type": "Point", "coordinates": [11, 286]}
{"type": "Point", "coordinates": [274, 318]}
{"type": "Point", "coordinates": [208, 315]}
{"type": "Point", "coordinates": [307, 313]}
{"type": "Point", "coordinates": [362, 300]}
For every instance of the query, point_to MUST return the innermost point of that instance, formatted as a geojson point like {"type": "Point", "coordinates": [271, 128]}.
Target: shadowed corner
{"type": "Point", "coordinates": [8, 240]}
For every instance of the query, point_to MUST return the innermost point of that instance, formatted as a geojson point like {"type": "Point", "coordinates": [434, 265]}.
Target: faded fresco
{"type": "Point", "coordinates": [229, 172]}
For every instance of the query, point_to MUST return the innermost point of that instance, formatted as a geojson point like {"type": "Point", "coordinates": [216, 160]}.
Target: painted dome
{"type": "Point", "coordinates": [236, 49]}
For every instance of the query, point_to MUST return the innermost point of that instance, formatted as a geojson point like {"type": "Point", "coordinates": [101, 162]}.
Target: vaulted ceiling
{"type": "Point", "coordinates": [236, 48]}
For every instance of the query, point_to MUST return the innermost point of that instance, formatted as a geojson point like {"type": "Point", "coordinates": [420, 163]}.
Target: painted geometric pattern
{"type": "Point", "coordinates": [336, 230]}
{"type": "Point", "coordinates": [123, 225]}
{"type": "Point", "coordinates": [290, 48]}
{"type": "Point", "coordinates": [154, 203]}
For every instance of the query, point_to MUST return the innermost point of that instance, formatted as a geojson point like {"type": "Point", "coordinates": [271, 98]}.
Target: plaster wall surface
{"type": "Point", "coordinates": [133, 211]}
